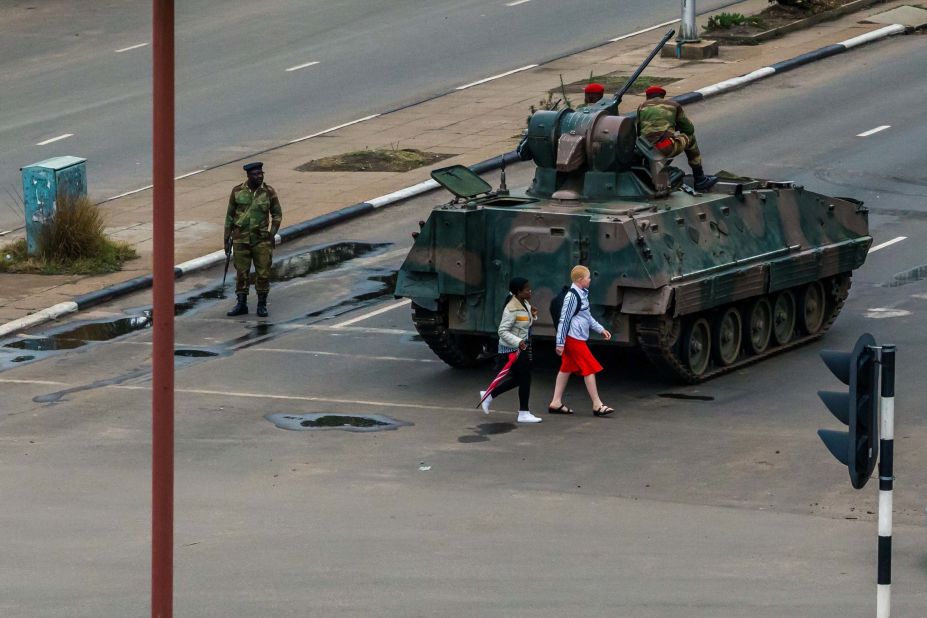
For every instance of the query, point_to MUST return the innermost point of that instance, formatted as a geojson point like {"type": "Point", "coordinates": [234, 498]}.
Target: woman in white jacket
{"type": "Point", "coordinates": [514, 334]}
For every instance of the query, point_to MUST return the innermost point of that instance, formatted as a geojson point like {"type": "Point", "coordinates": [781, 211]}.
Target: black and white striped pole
{"type": "Point", "coordinates": [886, 480]}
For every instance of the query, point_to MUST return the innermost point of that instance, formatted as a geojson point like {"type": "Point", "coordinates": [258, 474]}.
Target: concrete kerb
{"type": "Point", "coordinates": [355, 210]}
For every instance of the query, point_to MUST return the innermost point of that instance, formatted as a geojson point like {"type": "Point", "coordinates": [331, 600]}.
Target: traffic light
{"type": "Point", "coordinates": [858, 409]}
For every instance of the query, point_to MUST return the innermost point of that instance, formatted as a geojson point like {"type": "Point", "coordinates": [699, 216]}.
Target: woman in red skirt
{"type": "Point", "coordinates": [572, 332]}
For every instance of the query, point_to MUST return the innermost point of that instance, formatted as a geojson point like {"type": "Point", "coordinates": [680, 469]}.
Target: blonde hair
{"type": "Point", "coordinates": [578, 272]}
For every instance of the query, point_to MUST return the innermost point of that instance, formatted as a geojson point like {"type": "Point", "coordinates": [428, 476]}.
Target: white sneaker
{"type": "Point", "coordinates": [486, 402]}
{"type": "Point", "coordinates": [526, 417]}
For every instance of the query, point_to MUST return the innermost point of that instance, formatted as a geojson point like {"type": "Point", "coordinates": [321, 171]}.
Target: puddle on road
{"type": "Point", "coordinates": [487, 429]}
{"type": "Point", "coordinates": [22, 359]}
{"type": "Point", "coordinates": [686, 397]}
{"type": "Point", "coordinates": [908, 276]}
{"type": "Point", "coordinates": [190, 353]}
{"type": "Point", "coordinates": [83, 334]}
{"type": "Point", "coordinates": [320, 258]}
{"type": "Point", "coordinates": [313, 260]}
{"type": "Point", "coordinates": [345, 422]}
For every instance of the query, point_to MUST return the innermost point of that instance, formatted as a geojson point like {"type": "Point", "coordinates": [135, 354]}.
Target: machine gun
{"type": "Point", "coordinates": [228, 258]}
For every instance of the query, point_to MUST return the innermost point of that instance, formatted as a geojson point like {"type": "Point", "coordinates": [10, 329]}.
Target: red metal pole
{"type": "Point", "coordinates": [162, 356]}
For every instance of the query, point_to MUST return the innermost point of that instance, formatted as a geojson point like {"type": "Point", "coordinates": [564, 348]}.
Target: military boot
{"type": "Point", "coordinates": [700, 181]}
{"type": "Point", "coordinates": [262, 305]}
{"type": "Point", "coordinates": [241, 308]}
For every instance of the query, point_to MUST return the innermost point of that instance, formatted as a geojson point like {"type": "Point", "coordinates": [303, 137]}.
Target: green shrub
{"type": "Point", "coordinates": [72, 243]}
{"type": "Point", "coordinates": [726, 21]}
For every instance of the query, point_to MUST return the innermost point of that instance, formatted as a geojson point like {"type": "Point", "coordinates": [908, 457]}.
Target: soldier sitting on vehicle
{"type": "Point", "coordinates": [593, 93]}
{"type": "Point", "coordinates": [663, 123]}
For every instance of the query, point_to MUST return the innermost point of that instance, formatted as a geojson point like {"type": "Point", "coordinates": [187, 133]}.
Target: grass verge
{"type": "Point", "coordinates": [73, 243]}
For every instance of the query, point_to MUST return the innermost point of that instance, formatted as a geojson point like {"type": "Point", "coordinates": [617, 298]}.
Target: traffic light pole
{"type": "Point", "coordinates": [886, 480]}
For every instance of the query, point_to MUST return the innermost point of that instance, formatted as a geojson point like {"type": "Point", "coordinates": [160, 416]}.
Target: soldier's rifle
{"type": "Point", "coordinates": [228, 258]}
{"type": "Point", "coordinates": [621, 92]}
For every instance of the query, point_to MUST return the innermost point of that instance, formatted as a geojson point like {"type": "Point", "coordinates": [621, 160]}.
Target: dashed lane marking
{"type": "Point", "coordinates": [130, 47]}
{"type": "Point", "coordinates": [40, 382]}
{"type": "Point", "coordinates": [363, 317]}
{"type": "Point", "coordinates": [628, 36]}
{"type": "Point", "coordinates": [873, 131]}
{"type": "Point", "coordinates": [344, 354]}
{"type": "Point", "coordinates": [302, 66]}
{"type": "Point", "coordinates": [887, 243]}
{"type": "Point", "coordinates": [246, 395]}
{"type": "Point", "coordinates": [55, 139]}
{"type": "Point", "coordinates": [489, 79]}
{"type": "Point", "coordinates": [340, 126]}
{"type": "Point", "coordinates": [517, 2]}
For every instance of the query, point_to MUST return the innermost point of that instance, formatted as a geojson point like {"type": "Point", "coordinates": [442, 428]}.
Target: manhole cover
{"type": "Point", "coordinates": [327, 420]}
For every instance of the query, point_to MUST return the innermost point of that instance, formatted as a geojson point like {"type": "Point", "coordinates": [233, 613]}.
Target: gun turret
{"type": "Point", "coordinates": [593, 153]}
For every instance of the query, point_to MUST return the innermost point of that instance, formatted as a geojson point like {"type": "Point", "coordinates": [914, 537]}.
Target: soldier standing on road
{"type": "Point", "coordinates": [664, 124]}
{"type": "Point", "coordinates": [251, 204]}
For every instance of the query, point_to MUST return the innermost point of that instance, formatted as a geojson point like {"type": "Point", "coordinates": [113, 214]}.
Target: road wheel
{"type": "Point", "coordinates": [456, 350]}
{"type": "Point", "coordinates": [696, 346]}
{"type": "Point", "coordinates": [758, 327]}
{"type": "Point", "coordinates": [784, 317]}
{"type": "Point", "coordinates": [728, 333]}
{"type": "Point", "coordinates": [813, 307]}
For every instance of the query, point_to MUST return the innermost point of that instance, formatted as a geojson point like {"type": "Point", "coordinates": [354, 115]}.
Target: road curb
{"type": "Point", "coordinates": [355, 210]}
{"type": "Point", "coordinates": [787, 65]}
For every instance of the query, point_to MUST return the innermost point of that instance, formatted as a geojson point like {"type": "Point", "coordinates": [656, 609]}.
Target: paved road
{"type": "Point", "coordinates": [722, 507]}
{"type": "Point", "coordinates": [235, 95]}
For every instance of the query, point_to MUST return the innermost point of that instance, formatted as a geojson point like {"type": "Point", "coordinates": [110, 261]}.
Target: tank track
{"type": "Point", "coordinates": [452, 349]}
{"type": "Point", "coordinates": [653, 336]}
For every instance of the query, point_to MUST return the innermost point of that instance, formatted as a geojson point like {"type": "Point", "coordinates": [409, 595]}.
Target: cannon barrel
{"type": "Point", "coordinates": [640, 69]}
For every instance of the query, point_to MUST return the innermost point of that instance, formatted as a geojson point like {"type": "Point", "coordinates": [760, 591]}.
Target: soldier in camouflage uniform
{"type": "Point", "coordinates": [251, 204]}
{"type": "Point", "coordinates": [664, 124]}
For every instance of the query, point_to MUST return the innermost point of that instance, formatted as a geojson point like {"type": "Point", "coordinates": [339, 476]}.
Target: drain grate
{"type": "Point", "coordinates": [328, 420]}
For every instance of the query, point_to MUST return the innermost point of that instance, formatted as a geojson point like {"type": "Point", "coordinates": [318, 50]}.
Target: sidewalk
{"type": "Point", "coordinates": [474, 124]}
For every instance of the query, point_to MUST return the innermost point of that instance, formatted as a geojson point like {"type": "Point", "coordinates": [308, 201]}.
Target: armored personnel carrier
{"type": "Point", "coordinates": [702, 283]}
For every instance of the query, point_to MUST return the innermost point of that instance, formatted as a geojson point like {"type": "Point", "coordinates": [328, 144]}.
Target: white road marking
{"type": "Point", "coordinates": [875, 130]}
{"type": "Point", "coordinates": [302, 66]}
{"type": "Point", "coordinates": [41, 382]}
{"type": "Point", "coordinates": [887, 243]}
{"type": "Point", "coordinates": [55, 139]}
{"type": "Point", "coordinates": [516, 3]}
{"type": "Point", "coordinates": [125, 49]}
{"type": "Point", "coordinates": [886, 312]}
{"type": "Point", "coordinates": [353, 402]}
{"type": "Point", "coordinates": [366, 330]}
{"type": "Point", "coordinates": [363, 317]}
{"type": "Point", "coordinates": [146, 187]}
{"type": "Point", "coordinates": [340, 126]}
{"type": "Point", "coordinates": [5, 232]}
{"type": "Point", "coordinates": [127, 193]}
{"type": "Point", "coordinates": [628, 36]}
{"type": "Point", "coordinates": [489, 79]}
{"type": "Point", "coordinates": [345, 354]}
{"type": "Point", "coordinates": [188, 174]}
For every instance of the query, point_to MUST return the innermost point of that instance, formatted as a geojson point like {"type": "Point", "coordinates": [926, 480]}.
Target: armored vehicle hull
{"type": "Point", "coordinates": [701, 283]}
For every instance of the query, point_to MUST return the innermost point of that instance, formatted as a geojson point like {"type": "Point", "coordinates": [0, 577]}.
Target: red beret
{"type": "Point", "coordinates": [594, 89]}
{"type": "Point", "coordinates": [655, 90]}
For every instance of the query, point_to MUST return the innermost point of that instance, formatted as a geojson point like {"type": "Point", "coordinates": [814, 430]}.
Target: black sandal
{"type": "Point", "coordinates": [603, 410]}
{"type": "Point", "coordinates": [561, 410]}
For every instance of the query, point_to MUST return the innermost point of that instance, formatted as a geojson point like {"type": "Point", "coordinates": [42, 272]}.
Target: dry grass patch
{"type": "Point", "coordinates": [378, 160]}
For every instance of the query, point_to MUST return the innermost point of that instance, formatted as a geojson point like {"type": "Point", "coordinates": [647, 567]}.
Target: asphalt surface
{"type": "Point", "coordinates": [722, 504]}
{"type": "Point", "coordinates": [234, 95]}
